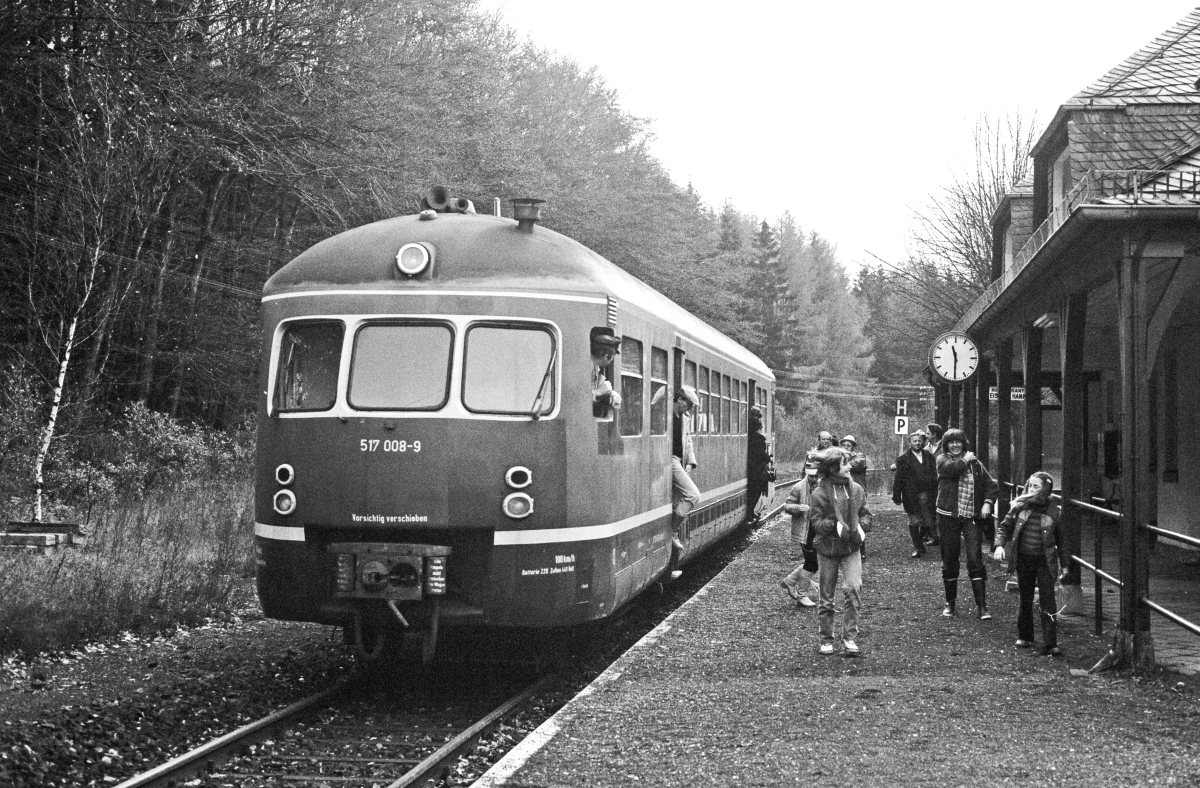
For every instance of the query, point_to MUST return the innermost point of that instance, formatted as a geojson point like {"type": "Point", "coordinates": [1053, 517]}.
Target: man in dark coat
{"type": "Point", "coordinates": [915, 486]}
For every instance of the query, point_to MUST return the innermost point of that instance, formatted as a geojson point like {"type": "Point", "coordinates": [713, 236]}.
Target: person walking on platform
{"type": "Point", "coordinates": [685, 495]}
{"type": "Point", "coordinates": [758, 464]}
{"type": "Point", "coordinates": [801, 583]}
{"type": "Point", "coordinates": [966, 496]}
{"type": "Point", "coordinates": [858, 460]}
{"type": "Point", "coordinates": [933, 444]}
{"type": "Point", "coordinates": [1028, 536]}
{"type": "Point", "coordinates": [915, 487]}
{"type": "Point", "coordinates": [839, 518]}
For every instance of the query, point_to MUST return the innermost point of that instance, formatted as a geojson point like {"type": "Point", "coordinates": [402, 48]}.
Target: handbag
{"type": "Point", "coordinates": [809, 552]}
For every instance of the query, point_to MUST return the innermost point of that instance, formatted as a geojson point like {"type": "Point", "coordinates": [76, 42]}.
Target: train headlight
{"type": "Point", "coordinates": [285, 502]}
{"type": "Point", "coordinates": [518, 477]}
{"type": "Point", "coordinates": [518, 505]}
{"type": "Point", "coordinates": [343, 579]}
{"type": "Point", "coordinates": [285, 474]}
{"type": "Point", "coordinates": [413, 259]}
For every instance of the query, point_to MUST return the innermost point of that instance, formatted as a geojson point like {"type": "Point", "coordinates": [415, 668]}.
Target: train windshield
{"type": "Point", "coordinates": [509, 369]}
{"type": "Point", "coordinates": [403, 366]}
{"type": "Point", "coordinates": [307, 375]}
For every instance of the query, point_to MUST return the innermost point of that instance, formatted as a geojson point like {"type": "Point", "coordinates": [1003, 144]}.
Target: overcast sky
{"type": "Point", "coordinates": [847, 114]}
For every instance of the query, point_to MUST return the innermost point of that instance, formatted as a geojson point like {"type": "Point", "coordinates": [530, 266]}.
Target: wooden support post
{"type": "Point", "coordinates": [1032, 346]}
{"type": "Point", "coordinates": [1004, 377]}
{"type": "Point", "coordinates": [983, 416]}
{"type": "Point", "coordinates": [968, 412]}
{"type": "Point", "coordinates": [1132, 642]}
{"type": "Point", "coordinates": [1072, 322]}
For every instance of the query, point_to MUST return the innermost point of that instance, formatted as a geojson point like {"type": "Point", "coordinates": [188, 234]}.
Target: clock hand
{"type": "Point", "coordinates": [954, 350]}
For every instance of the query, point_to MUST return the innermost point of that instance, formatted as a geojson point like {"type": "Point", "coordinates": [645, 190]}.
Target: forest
{"type": "Point", "coordinates": [164, 158]}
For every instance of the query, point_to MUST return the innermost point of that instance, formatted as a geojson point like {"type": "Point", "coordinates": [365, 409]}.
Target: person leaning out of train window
{"type": "Point", "coordinates": [839, 519]}
{"type": "Point", "coordinates": [966, 496]}
{"type": "Point", "coordinates": [1028, 536]}
{"type": "Point", "coordinates": [605, 346]}
{"type": "Point", "coordinates": [685, 495]}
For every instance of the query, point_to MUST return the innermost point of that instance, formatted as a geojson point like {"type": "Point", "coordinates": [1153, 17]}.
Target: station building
{"type": "Point", "coordinates": [1093, 315]}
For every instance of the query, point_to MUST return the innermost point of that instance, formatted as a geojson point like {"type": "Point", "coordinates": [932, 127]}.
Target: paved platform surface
{"type": "Point", "coordinates": [730, 691]}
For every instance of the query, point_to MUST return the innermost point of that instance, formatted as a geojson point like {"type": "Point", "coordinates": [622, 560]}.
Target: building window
{"type": "Point", "coordinates": [1171, 416]}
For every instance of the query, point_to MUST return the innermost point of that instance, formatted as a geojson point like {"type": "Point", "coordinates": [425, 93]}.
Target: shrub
{"type": "Point", "coordinates": [175, 556]}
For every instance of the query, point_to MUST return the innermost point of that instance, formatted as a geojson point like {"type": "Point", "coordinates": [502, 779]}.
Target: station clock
{"type": "Point", "coordinates": [954, 357]}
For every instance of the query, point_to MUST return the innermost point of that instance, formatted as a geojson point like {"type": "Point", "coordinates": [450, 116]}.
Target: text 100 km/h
{"type": "Point", "coordinates": [374, 444]}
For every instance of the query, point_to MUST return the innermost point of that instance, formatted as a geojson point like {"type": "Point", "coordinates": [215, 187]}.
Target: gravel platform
{"type": "Point", "coordinates": [731, 691]}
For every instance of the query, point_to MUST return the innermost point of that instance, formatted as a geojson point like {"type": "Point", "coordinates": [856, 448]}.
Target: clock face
{"type": "Point", "coordinates": [954, 357]}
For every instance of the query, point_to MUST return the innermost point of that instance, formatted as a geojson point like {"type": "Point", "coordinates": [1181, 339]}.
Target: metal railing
{"type": "Point", "coordinates": [1133, 187]}
{"type": "Point", "coordinates": [1101, 576]}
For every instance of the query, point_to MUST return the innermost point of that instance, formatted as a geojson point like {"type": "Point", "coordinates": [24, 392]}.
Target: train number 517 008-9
{"type": "Point", "coordinates": [374, 444]}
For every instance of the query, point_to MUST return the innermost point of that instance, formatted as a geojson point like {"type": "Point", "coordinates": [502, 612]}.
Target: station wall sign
{"type": "Point", "coordinates": [902, 425]}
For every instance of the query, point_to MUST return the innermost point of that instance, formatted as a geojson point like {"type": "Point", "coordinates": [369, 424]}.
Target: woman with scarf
{"type": "Point", "coordinates": [838, 518]}
{"type": "Point", "coordinates": [966, 497]}
{"type": "Point", "coordinates": [1029, 537]}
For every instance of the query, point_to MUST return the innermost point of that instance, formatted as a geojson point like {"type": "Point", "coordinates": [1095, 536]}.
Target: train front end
{"type": "Point", "coordinates": [406, 417]}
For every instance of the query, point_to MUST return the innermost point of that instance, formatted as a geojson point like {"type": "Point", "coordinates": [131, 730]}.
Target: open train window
{"type": "Point", "coordinates": [401, 366]}
{"type": "Point", "coordinates": [309, 357]}
{"type": "Point", "coordinates": [702, 423]}
{"type": "Point", "coordinates": [659, 401]}
{"type": "Point", "coordinates": [509, 369]}
{"type": "Point", "coordinates": [631, 386]}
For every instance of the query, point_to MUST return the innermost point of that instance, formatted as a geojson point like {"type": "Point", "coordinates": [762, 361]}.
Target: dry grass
{"type": "Point", "coordinates": [175, 557]}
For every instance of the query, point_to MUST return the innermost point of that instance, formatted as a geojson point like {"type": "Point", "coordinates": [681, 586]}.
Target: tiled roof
{"type": "Point", "coordinates": [1165, 71]}
{"type": "Point", "coordinates": [1140, 138]}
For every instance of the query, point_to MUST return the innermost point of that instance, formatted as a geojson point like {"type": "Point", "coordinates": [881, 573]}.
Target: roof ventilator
{"type": "Point", "coordinates": [528, 212]}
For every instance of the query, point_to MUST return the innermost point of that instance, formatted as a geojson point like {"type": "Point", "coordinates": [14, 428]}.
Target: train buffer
{"type": "Point", "coordinates": [731, 690]}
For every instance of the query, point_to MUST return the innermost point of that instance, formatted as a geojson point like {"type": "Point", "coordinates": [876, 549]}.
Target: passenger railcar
{"type": "Point", "coordinates": [429, 453]}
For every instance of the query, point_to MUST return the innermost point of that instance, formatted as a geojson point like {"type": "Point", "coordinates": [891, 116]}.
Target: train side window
{"type": "Point", "coordinates": [509, 369]}
{"type": "Point", "coordinates": [659, 401]}
{"type": "Point", "coordinates": [631, 386]}
{"type": "Point", "coordinates": [726, 395]}
{"type": "Point", "coordinates": [714, 421]}
{"type": "Point", "coordinates": [307, 375]}
{"type": "Point", "coordinates": [401, 366]}
{"type": "Point", "coordinates": [743, 416]}
{"type": "Point", "coordinates": [702, 423]}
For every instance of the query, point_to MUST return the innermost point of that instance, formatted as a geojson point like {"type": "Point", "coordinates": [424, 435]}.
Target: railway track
{"type": "Point", "coordinates": [354, 734]}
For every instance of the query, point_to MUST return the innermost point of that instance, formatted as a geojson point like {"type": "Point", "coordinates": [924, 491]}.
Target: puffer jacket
{"type": "Point", "coordinates": [849, 501]}
{"type": "Point", "coordinates": [1008, 536]}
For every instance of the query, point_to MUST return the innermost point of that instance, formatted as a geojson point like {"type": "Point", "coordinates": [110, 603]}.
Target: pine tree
{"type": "Point", "coordinates": [770, 300]}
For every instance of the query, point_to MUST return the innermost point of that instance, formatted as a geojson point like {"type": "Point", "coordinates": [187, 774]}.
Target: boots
{"type": "Point", "coordinates": [677, 521]}
{"type": "Point", "coordinates": [979, 589]}
{"type": "Point", "coordinates": [951, 596]}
